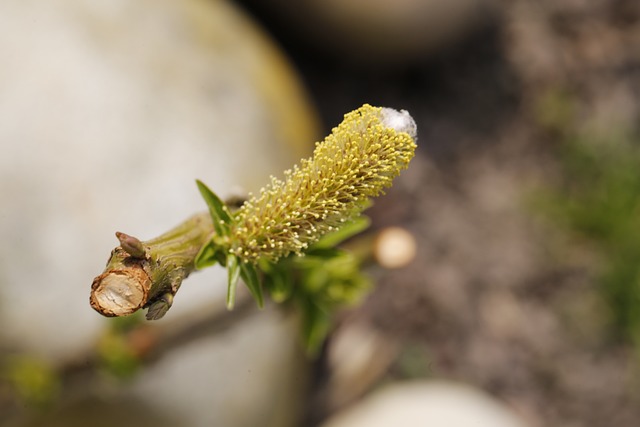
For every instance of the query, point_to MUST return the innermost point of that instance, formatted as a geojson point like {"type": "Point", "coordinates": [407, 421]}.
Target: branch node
{"type": "Point", "coordinates": [131, 245]}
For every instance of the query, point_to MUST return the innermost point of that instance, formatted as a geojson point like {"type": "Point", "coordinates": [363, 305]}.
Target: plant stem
{"type": "Point", "coordinates": [134, 280]}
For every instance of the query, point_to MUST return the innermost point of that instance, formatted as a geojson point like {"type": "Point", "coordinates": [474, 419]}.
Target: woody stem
{"type": "Point", "coordinates": [140, 273]}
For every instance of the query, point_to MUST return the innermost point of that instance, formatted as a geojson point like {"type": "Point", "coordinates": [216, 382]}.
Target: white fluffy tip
{"type": "Point", "coordinates": [400, 121]}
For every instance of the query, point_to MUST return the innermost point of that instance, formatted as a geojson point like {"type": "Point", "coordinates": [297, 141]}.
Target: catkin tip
{"type": "Point", "coordinates": [400, 121]}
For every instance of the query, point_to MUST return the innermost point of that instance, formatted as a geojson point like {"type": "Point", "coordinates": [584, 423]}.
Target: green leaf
{"type": "Point", "coordinates": [250, 277]}
{"type": "Point", "coordinates": [319, 252]}
{"type": "Point", "coordinates": [346, 231]}
{"type": "Point", "coordinates": [221, 257]}
{"type": "Point", "coordinates": [279, 283]}
{"type": "Point", "coordinates": [220, 214]}
{"type": "Point", "coordinates": [316, 325]}
{"type": "Point", "coordinates": [233, 268]}
{"type": "Point", "coordinates": [207, 256]}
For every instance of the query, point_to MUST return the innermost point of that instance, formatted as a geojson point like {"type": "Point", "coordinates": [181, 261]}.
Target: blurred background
{"type": "Point", "coordinates": [516, 301]}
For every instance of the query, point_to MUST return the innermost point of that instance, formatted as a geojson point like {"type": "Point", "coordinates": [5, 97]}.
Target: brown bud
{"type": "Point", "coordinates": [131, 245]}
{"type": "Point", "coordinates": [159, 308]}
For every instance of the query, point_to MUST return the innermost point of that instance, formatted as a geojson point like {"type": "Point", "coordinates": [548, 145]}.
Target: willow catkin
{"type": "Point", "coordinates": [357, 161]}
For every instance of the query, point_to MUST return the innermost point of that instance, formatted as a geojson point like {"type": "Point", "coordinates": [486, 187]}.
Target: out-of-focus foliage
{"type": "Point", "coordinates": [32, 380]}
{"type": "Point", "coordinates": [598, 199]}
{"type": "Point", "coordinates": [324, 280]}
{"type": "Point", "coordinates": [118, 347]}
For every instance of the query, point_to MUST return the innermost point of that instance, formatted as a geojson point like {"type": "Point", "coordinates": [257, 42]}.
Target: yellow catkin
{"type": "Point", "coordinates": [357, 161]}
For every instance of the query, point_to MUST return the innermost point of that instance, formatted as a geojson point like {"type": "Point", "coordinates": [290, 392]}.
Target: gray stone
{"type": "Point", "coordinates": [110, 110]}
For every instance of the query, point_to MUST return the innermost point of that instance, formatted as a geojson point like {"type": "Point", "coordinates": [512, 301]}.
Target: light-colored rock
{"type": "Point", "coordinates": [251, 375]}
{"type": "Point", "coordinates": [110, 109]}
{"type": "Point", "coordinates": [428, 404]}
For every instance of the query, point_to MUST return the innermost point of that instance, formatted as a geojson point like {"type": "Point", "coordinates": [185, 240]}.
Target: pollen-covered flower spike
{"type": "Point", "coordinates": [357, 161]}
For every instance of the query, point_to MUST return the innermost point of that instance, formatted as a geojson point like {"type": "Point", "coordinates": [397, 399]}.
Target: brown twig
{"type": "Point", "coordinates": [148, 274]}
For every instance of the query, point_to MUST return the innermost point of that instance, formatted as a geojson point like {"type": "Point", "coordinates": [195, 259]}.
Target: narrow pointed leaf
{"type": "Point", "coordinates": [250, 277]}
{"type": "Point", "coordinates": [233, 269]}
{"type": "Point", "coordinates": [219, 212]}
{"type": "Point", "coordinates": [316, 325]}
{"type": "Point", "coordinates": [348, 230]}
{"type": "Point", "coordinates": [318, 252]}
